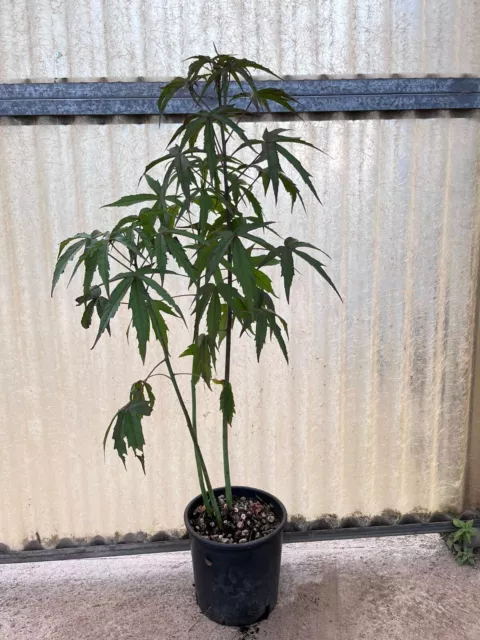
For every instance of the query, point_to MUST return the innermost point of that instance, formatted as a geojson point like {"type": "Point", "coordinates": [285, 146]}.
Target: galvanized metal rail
{"type": "Point", "coordinates": [314, 96]}
{"type": "Point", "coordinates": [110, 550]}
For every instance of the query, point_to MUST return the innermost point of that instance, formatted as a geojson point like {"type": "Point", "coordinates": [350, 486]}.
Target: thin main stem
{"type": "Point", "coordinates": [193, 436]}
{"type": "Point", "coordinates": [193, 391]}
{"type": "Point", "coordinates": [228, 337]}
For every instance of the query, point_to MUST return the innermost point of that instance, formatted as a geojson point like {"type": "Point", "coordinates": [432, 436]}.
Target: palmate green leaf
{"type": "Point", "coordinates": [256, 206]}
{"type": "Point", "coordinates": [103, 263]}
{"type": "Point", "coordinates": [260, 333]}
{"type": "Point", "coordinates": [160, 327]}
{"type": "Point", "coordinates": [202, 363]}
{"type": "Point", "coordinates": [243, 270]}
{"type": "Point", "coordinates": [264, 96]}
{"type": "Point", "coordinates": [112, 306]}
{"type": "Point", "coordinates": [262, 280]}
{"type": "Point", "coordinates": [160, 249]}
{"type": "Point", "coordinates": [86, 320]}
{"type": "Point", "coordinates": [128, 201]}
{"type": "Point", "coordinates": [121, 224]}
{"type": "Point", "coordinates": [297, 165]}
{"type": "Point", "coordinates": [292, 189]}
{"type": "Point", "coordinates": [227, 402]}
{"type": "Point", "coordinates": [202, 299]}
{"type": "Point", "coordinates": [90, 262]}
{"type": "Point", "coordinates": [163, 294]}
{"type": "Point", "coordinates": [101, 305]}
{"type": "Point", "coordinates": [128, 427]}
{"type": "Point", "coordinates": [173, 87]}
{"type": "Point", "coordinates": [178, 253]}
{"type": "Point", "coordinates": [295, 244]}
{"type": "Point", "coordinates": [140, 318]}
{"type": "Point", "coordinates": [318, 266]}
{"type": "Point", "coordinates": [277, 332]}
{"type": "Point", "coordinates": [217, 253]}
{"type": "Point", "coordinates": [288, 269]}
{"type": "Point", "coordinates": [214, 314]}
{"type": "Point", "coordinates": [64, 259]}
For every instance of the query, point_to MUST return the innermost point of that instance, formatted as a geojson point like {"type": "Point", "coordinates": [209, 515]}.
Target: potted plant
{"type": "Point", "coordinates": [203, 219]}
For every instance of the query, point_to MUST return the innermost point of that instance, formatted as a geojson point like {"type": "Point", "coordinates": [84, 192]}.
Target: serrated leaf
{"type": "Point", "coordinates": [163, 294]}
{"type": "Point", "coordinates": [122, 223]}
{"type": "Point", "coordinates": [242, 268]}
{"type": "Point", "coordinates": [299, 168]}
{"type": "Point", "coordinates": [213, 315]}
{"type": "Point", "coordinates": [178, 252]}
{"type": "Point", "coordinates": [263, 281]}
{"type": "Point", "coordinates": [128, 201]}
{"type": "Point", "coordinates": [140, 318]}
{"type": "Point", "coordinates": [293, 243]}
{"type": "Point", "coordinates": [86, 320]}
{"type": "Point", "coordinates": [64, 259]}
{"type": "Point", "coordinates": [191, 350]}
{"type": "Point", "coordinates": [256, 206]}
{"type": "Point", "coordinates": [160, 249]}
{"type": "Point", "coordinates": [103, 264]}
{"type": "Point", "coordinates": [101, 304]}
{"type": "Point", "coordinates": [169, 91]}
{"type": "Point", "coordinates": [159, 325]}
{"type": "Point", "coordinates": [227, 402]}
{"type": "Point", "coordinates": [260, 333]}
{"type": "Point", "coordinates": [217, 253]}
{"type": "Point", "coordinates": [275, 329]}
{"type": "Point", "coordinates": [318, 266]}
{"type": "Point", "coordinates": [112, 305]}
{"type": "Point", "coordinates": [288, 269]}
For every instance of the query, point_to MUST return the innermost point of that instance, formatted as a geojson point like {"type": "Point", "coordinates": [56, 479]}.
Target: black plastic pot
{"type": "Point", "coordinates": [237, 584]}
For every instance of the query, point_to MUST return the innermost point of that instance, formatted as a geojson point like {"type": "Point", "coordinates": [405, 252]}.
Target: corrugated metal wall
{"type": "Point", "coordinates": [48, 39]}
{"type": "Point", "coordinates": [373, 410]}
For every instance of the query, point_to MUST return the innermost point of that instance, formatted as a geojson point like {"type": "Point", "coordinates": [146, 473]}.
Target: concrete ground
{"type": "Point", "coordinates": [385, 589]}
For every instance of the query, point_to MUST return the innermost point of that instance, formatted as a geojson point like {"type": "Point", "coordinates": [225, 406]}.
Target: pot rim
{"type": "Point", "coordinates": [236, 547]}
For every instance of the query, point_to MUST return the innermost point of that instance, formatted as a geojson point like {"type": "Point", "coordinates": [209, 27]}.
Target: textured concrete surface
{"type": "Point", "coordinates": [387, 589]}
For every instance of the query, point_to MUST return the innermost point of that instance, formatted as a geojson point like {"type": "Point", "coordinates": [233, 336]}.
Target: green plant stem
{"type": "Point", "coordinates": [193, 385]}
{"type": "Point", "coordinates": [228, 335]}
{"type": "Point", "coordinates": [193, 435]}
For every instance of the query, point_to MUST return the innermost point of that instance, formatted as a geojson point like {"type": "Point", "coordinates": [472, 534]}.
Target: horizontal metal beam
{"type": "Point", "coordinates": [109, 550]}
{"type": "Point", "coordinates": [314, 96]}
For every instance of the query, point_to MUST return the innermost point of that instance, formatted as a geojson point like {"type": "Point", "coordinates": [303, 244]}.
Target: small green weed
{"type": "Point", "coordinates": [458, 541]}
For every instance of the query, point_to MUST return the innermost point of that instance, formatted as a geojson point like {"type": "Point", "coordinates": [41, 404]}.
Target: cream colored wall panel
{"type": "Point", "coordinates": [48, 39]}
{"type": "Point", "coordinates": [371, 412]}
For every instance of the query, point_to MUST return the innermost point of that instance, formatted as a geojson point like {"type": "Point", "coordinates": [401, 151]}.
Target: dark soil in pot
{"type": "Point", "coordinates": [236, 582]}
{"type": "Point", "coordinates": [249, 519]}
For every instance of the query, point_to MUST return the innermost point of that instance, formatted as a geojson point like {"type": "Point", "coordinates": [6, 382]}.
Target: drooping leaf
{"type": "Point", "coordinates": [275, 329]}
{"type": "Point", "coordinates": [263, 281]}
{"type": "Point", "coordinates": [178, 252]}
{"type": "Point", "coordinates": [169, 91]}
{"type": "Point", "coordinates": [217, 253]}
{"type": "Point", "coordinates": [306, 177]}
{"type": "Point", "coordinates": [243, 270]}
{"type": "Point", "coordinates": [227, 402]}
{"type": "Point", "coordinates": [112, 305]}
{"type": "Point", "coordinates": [260, 333]}
{"type": "Point", "coordinates": [159, 325]}
{"type": "Point", "coordinates": [128, 201]}
{"type": "Point", "coordinates": [160, 247]}
{"type": "Point", "coordinates": [288, 270]}
{"type": "Point", "coordinates": [64, 259]}
{"type": "Point", "coordinates": [101, 304]}
{"type": "Point", "coordinates": [318, 266]}
{"type": "Point", "coordinates": [86, 320]}
{"type": "Point", "coordinates": [140, 319]}
{"type": "Point", "coordinates": [163, 293]}
{"type": "Point", "coordinates": [213, 315]}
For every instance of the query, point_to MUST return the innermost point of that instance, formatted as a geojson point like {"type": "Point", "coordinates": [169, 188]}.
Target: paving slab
{"type": "Point", "coordinates": [382, 589]}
